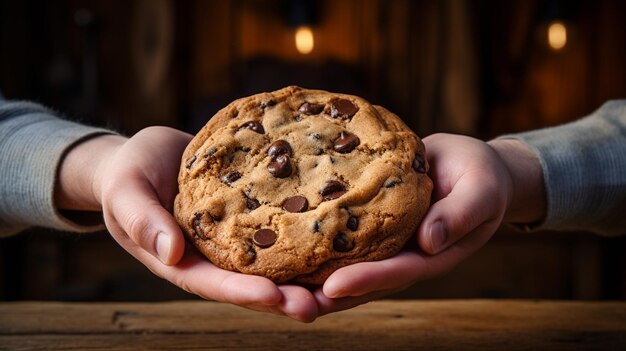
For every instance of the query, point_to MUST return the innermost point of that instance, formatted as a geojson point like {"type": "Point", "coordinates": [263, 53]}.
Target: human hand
{"type": "Point", "coordinates": [134, 183]}
{"type": "Point", "coordinates": [475, 185]}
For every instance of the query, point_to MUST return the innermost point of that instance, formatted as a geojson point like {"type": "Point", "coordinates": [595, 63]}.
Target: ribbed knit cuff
{"type": "Point", "coordinates": [584, 168]}
{"type": "Point", "coordinates": [33, 142]}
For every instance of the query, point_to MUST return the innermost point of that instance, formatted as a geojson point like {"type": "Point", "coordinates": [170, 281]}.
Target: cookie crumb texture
{"type": "Point", "coordinates": [294, 184]}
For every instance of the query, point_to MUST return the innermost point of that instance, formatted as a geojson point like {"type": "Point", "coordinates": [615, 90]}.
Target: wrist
{"type": "Point", "coordinates": [528, 199]}
{"type": "Point", "coordinates": [81, 171]}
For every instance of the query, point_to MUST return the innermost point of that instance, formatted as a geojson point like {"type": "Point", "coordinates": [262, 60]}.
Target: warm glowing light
{"type": "Point", "coordinates": [304, 40]}
{"type": "Point", "coordinates": [557, 35]}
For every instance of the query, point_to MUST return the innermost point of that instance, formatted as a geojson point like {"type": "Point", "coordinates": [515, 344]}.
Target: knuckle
{"type": "Point", "coordinates": [139, 229]}
{"type": "Point", "coordinates": [223, 290]}
{"type": "Point", "coordinates": [183, 284]}
{"type": "Point", "coordinates": [464, 222]}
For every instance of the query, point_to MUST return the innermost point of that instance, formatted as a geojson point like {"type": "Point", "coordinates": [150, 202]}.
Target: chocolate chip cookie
{"type": "Point", "coordinates": [296, 183]}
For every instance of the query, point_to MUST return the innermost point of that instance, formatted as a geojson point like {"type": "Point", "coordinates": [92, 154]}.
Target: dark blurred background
{"type": "Point", "coordinates": [481, 68]}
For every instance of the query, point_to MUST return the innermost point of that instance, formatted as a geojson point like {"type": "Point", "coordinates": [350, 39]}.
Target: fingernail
{"type": "Point", "coordinates": [337, 294]}
{"type": "Point", "coordinates": [438, 236]}
{"type": "Point", "coordinates": [163, 246]}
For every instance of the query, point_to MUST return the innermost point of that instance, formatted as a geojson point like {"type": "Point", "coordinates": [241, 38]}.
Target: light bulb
{"type": "Point", "coordinates": [557, 35]}
{"type": "Point", "coordinates": [304, 40]}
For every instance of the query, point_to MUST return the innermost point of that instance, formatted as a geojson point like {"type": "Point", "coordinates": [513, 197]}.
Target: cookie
{"type": "Point", "coordinates": [296, 183]}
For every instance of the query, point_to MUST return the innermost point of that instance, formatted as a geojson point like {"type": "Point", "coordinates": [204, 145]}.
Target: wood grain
{"type": "Point", "coordinates": [383, 325]}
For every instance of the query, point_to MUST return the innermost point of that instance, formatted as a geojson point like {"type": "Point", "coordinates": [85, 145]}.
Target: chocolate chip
{"type": "Point", "coordinates": [210, 152]}
{"type": "Point", "coordinates": [196, 224]}
{"type": "Point", "coordinates": [251, 249]}
{"type": "Point", "coordinates": [390, 183]}
{"type": "Point", "coordinates": [231, 177]}
{"type": "Point", "coordinates": [280, 167]}
{"type": "Point", "coordinates": [242, 148]}
{"type": "Point", "coordinates": [191, 160]}
{"type": "Point", "coordinates": [342, 243]}
{"type": "Point", "coordinates": [298, 118]}
{"type": "Point", "coordinates": [215, 218]}
{"type": "Point", "coordinates": [346, 142]}
{"type": "Point", "coordinates": [279, 147]}
{"type": "Point", "coordinates": [267, 103]}
{"type": "Point", "coordinates": [311, 109]}
{"type": "Point", "coordinates": [250, 256]}
{"type": "Point", "coordinates": [353, 223]}
{"type": "Point", "coordinates": [333, 190]}
{"type": "Point", "coordinates": [316, 226]}
{"type": "Point", "coordinates": [264, 238]}
{"type": "Point", "coordinates": [254, 126]}
{"type": "Point", "coordinates": [295, 204]}
{"type": "Point", "coordinates": [419, 164]}
{"type": "Point", "coordinates": [342, 108]}
{"type": "Point", "coordinates": [252, 204]}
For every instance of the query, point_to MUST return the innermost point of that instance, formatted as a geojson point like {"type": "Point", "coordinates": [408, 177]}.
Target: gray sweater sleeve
{"type": "Point", "coordinates": [33, 142]}
{"type": "Point", "coordinates": [584, 167]}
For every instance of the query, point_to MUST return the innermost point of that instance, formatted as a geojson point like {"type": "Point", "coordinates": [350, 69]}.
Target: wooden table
{"type": "Point", "coordinates": [383, 325]}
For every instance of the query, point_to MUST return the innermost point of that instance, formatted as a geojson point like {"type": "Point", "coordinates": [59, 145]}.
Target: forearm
{"type": "Point", "coordinates": [77, 179]}
{"type": "Point", "coordinates": [583, 166]}
{"type": "Point", "coordinates": [528, 203]}
{"type": "Point", "coordinates": [33, 142]}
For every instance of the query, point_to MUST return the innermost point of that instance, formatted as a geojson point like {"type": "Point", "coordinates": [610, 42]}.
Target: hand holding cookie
{"type": "Point", "coordinates": [133, 181]}
{"type": "Point", "coordinates": [294, 184]}
{"type": "Point", "coordinates": [474, 189]}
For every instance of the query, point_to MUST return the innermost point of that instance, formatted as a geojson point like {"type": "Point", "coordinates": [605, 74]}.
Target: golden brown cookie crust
{"type": "Point", "coordinates": [230, 188]}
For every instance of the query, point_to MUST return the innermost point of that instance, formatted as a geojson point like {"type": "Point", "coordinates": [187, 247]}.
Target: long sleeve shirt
{"type": "Point", "coordinates": [33, 141]}
{"type": "Point", "coordinates": [584, 170]}
{"type": "Point", "coordinates": [583, 162]}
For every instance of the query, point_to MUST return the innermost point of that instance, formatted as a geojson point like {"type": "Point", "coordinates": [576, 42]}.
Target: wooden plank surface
{"type": "Point", "coordinates": [382, 325]}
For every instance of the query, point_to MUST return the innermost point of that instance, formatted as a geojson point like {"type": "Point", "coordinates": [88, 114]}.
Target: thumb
{"type": "Point", "coordinates": [139, 213]}
{"type": "Point", "coordinates": [465, 208]}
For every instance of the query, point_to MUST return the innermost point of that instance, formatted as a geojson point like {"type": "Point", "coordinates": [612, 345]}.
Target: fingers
{"type": "Point", "coordinates": [198, 276]}
{"type": "Point", "coordinates": [195, 274]}
{"type": "Point", "coordinates": [327, 305]}
{"type": "Point", "coordinates": [463, 218]}
{"type": "Point", "coordinates": [298, 303]}
{"type": "Point", "coordinates": [136, 196]}
{"type": "Point", "coordinates": [402, 270]}
{"type": "Point", "coordinates": [361, 278]}
{"type": "Point", "coordinates": [467, 206]}
{"type": "Point", "coordinates": [471, 187]}
{"type": "Point", "coordinates": [160, 167]}
{"type": "Point", "coordinates": [140, 215]}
